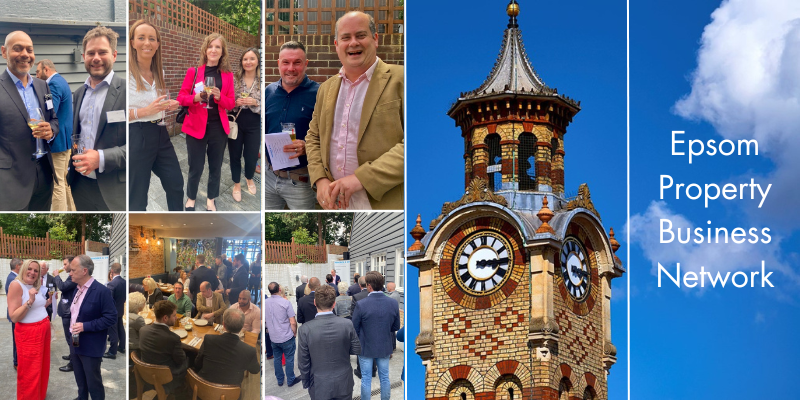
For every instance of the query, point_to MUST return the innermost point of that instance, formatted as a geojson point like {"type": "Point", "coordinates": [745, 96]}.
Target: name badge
{"type": "Point", "coordinates": [64, 301]}
{"type": "Point", "coordinates": [49, 104]}
{"type": "Point", "coordinates": [115, 116]}
{"type": "Point", "coordinates": [198, 87]}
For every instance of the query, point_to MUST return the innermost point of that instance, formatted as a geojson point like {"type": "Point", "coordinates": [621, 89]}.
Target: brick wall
{"type": "Point", "coordinates": [180, 50]}
{"type": "Point", "coordinates": [149, 260]}
{"type": "Point", "coordinates": [322, 59]}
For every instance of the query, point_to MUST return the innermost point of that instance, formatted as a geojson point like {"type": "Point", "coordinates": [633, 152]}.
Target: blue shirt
{"type": "Point", "coordinates": [296, 106]}
{"type": "Point", "coordinates": [27, 94]}
{"type": "Point", "coordinates": [91, 109]}
{"type": "Point", "coordinates": [62, 106]}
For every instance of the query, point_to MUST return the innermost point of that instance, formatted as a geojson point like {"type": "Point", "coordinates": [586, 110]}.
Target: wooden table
{"type": "Point", "coordinates": [166, 289]}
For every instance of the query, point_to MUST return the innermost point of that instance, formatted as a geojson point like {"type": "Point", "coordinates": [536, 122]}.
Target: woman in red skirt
{"type": "Point", "coordinates": [27, 307]}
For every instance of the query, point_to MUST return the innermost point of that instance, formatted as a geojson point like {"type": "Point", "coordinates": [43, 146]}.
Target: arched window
{"type": "Point", "coordinates": [461, 389]}
{"type": "Point", "coordinates": [508, 387]}
{"type": "Point", "coordinates": [527, 161]}
{"type": "Point", "coordinates": [563, 389]}
{"type": "Point", "coordinates": [589, 394]}
{"type": "Point", "coordinates": [493, 166]}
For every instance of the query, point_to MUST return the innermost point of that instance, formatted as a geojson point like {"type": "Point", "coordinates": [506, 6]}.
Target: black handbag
{"type": "Point", "coordinates": [184, 110]}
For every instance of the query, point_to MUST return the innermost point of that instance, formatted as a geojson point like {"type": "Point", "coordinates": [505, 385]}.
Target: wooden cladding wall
{"type": "Point", "coordinates": [291, 253]}
{"type": "Point", "coordinates": [13, 246]}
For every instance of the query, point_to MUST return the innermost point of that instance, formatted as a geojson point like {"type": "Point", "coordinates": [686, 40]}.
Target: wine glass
{"type": "Point", "coordinates": [36, 116]}
{"type": "Point", "coordinates": [209, 84]}
{"type": "Point", "coordinates": [163, 92]}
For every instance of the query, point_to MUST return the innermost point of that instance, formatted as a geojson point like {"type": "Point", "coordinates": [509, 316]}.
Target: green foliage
{"type": "Point", "coordinates": [187, 249]}
{"type": "Point", "coordinates": [244, 14]}
{"type": "Point", "coordinates": [302, 236]}
{"type": "Point", "coordinates": [70, 227]}
{"type": "Point", "coordinates": [333, 227]}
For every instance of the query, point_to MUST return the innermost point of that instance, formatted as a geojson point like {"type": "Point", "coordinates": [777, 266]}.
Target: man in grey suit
{"type": "Point", "coordinates": [325, 346]}
{"type": "Point", "coordinates": [97, 176]}
{"type": "Point", "coordinates": [26, 180]}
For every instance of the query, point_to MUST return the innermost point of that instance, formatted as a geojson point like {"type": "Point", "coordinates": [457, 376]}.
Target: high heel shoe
{"type": "Point", "coordinates": [187, 208]}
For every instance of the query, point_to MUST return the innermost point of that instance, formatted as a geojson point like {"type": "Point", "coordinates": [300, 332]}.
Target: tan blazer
{"type": "Point", "coordinates": [380, 138]}
{"type": "Point", "coordinates": [218, 306]}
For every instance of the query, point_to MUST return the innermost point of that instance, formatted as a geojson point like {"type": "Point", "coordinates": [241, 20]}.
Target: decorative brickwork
{"type": "Point", "coordinates": [145, 258]}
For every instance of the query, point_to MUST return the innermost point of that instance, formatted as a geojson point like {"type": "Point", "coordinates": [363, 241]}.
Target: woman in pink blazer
{"type": "Point", "coordinates": [207, 129]}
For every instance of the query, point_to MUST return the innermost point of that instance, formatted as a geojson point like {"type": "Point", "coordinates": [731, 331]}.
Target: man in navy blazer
{"type": "Point", "coordinates": [61, 144]}
{"type": "Point", "coordinates": [15, 264]}
{"type": "Point", "coordinates": [92, 313]}
{"type": "Point", "coordinates": [67, 288]}
{"type": "Point", "coordinates": [119, 291]}
{"type": "Point", "coordinates": [375, 319]}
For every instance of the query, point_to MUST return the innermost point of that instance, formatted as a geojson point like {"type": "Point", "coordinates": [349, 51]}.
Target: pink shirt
{"type": "Point", "coordinates": [252, 318]}
{"type": "Point", "coordinates": [344, 135]}
{"type": "Point", "coordinates": [80, 294]}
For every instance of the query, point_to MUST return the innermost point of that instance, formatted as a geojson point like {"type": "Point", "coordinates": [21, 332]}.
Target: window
{"type": "Point", "coordinates": [283, 3]}
{"type": "Point", "coordinates": [311, 29]}
{"type": "Point", "coordinates": [493, 169]}
{"type": "Point", "coordinates": [249, 247]}
{"type": "Point", "coordinates": [341, 3]}
{"type": "Point", "coordinates": [359, 266]}
{"type": "Point", "coordinates": [283, 17]}
{"type": "Point", "coordinates": [312, 16]}
{"type": "Point", "coordinates": [399, 269]}
{"type": "Point", "coordinates": [378, 263]}
{"type": "Point", "coordinates": [527, 161]}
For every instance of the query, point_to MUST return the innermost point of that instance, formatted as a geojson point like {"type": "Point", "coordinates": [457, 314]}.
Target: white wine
{"type": "Point", "coordinates": [33, 124]}
{"type": "Point", "coordinates": [245, 95]}
{"type": "Point", "coordinates": [208, 89]}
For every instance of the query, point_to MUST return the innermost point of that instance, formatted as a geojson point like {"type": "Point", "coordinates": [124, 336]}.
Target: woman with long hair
{"type": "Point", "coordinates": [27, 308]}
{"type": "Point", "coordinates": [248, 117]}
{"type": "Point", "coordinates": [148, 101]}
{"type": "Point", "coordinates": [206, 127]}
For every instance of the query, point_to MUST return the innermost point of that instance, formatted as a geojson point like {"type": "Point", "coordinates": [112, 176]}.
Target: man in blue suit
{"type": "Point", "coordinates": [119, 291]}
{"type": "Point", "coordinates": [67, 288]}
{"type": "Point", "coordinates": [15, 264]}
{"type": "Point", "coordinates": [376, 336]}
{"type": "Point", "coordinates": [92, 313]}
{"type": "Point", "coordinates": [62, 143]}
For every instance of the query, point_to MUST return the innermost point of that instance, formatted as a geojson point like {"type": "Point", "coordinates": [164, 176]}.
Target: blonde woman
{"type": "Point", "coordinates": [27, 308]}
{"type": "Point", "coordinates": [151, 291]}
{"type": "Point", "coordinates": [150, 147]}
{"type": "Point", "coordinates": [207, 128]}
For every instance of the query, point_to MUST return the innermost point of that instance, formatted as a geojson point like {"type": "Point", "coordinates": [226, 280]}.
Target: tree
{"type": "Point", "coordinates": [243, 14]}
{"type": "Point", "coordinates": [331, 228]}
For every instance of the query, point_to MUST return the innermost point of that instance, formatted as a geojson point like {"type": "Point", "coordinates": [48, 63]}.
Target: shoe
{"type": "Point", "coordinates": [237, 195]}
{"type": "Point", "coordinates": [357, 373]}
{"type": "Point", "coordinates": [270, 357]}
{"type": "Point", "coordinates": [294, 382]}
{"type": "Point", "coordinates": [65, 358]}
{"type": "Point", "coordinates": [213, 206]}
{"type": "Point", "coordinates": [280, 383]}
{"type": "Point", "coordinates": [110, 356]}
{"type": "Point", "coordinates": [251, 188]}
{"type": "Point", "coordinates": [374, 373]}
{"type": "Point", "coordinates": [187, 208]}
{"type": "Point", "coordinates": [66, 368]}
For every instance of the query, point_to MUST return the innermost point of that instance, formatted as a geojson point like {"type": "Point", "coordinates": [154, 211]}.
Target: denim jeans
{"type": "Point", "coordinates": [366, 376]}
{"type": "Point", "coordinates": [286, 348]}
{"type": "Point", "coordinates": [282, 192]}
{"type": "Point", "coordinates": [269, 344]}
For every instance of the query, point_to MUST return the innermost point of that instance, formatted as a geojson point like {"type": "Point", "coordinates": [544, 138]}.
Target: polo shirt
{"type": "Point", "coordinates": [296, 106]}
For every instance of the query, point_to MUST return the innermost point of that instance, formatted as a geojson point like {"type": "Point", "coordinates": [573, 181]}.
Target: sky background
{"type": "Point", "coordinates": [731, 74]}
{"type": "Point", "coordinates": [451, 48]}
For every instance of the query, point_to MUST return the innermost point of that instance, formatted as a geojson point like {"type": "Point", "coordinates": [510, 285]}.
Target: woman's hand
{"type": "Point", "coordinates": [32, 293]}
{"type": "Point", "coordinates": [49, 301]}
{"type": "Point", "coordinates": [158, 105]}
{"type": "Point", "coordinates": [173, 105]}
{"type": "Point", "coordinates": [215, 92]}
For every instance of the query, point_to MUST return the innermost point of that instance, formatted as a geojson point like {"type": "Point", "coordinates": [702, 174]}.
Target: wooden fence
{"type": "Point", "coordinates": [38, 248]}
{"type": "Point", "coordinates": [184, 15]}
{"type": "Point", "coordinates": [292, 253]}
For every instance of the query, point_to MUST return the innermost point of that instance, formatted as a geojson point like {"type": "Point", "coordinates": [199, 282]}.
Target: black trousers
{"type": "Point", "coordinates": [248, 143]}
{"type": "Point", "coordinates": [43, 189]}
{"type": "Point", "coordinates": [212, 144]}
{"type": "Point", "coordinates": [87, 376]}
{"type": "Point", "coordinates": [151, 150]}
{"type": "Point", "coordinates": [86, 194]}
{"type": "Point", "coordinates": [116, 335]}
{"type": "Point", "coordinates": [68, 335]}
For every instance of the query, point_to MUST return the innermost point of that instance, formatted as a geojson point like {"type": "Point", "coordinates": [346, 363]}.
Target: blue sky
{"type": "Point", "coordinates": [727, 75]}
{"type": "Point", "coordinates": [451, 48]}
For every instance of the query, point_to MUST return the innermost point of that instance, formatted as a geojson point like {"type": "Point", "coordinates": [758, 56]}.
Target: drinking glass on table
{"type": "Point", "coordinates": [160, 93]}
{"type": "Point", "coordinates": [35, 117]}
{"type": "Point", "coordinates": [209, 85]}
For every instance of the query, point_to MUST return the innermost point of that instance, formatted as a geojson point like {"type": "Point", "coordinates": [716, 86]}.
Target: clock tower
{"type": "Point", "coordinates": [515, 277]}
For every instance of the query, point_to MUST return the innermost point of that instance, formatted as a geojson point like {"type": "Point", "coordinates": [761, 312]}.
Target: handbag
{"type": "Point", "coordinates": [184, 110]}
{"type": "Point", "coordinates": [234, 127]}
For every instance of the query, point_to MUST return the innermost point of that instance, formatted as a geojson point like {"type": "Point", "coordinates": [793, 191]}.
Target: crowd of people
{"type": "Point", "coordinates": [65, 149]}
{"type": "Point", "coordinates": [91, 315]}
{"type": "Point", "coordinates": [361, 320]}
{"type": "Point", "coordinates": [218, 294]}
{"type": "Point", "coordinates": [210, 93]}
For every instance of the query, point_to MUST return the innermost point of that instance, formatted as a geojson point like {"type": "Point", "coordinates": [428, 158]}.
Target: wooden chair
{"type": "Point", "coordinates": [156, 375]}
{"type": "Point", "coordinates": [205, 390]}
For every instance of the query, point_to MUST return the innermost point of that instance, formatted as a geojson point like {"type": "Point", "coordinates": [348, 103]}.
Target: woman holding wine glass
{"type": "Point", "coordinates": [248, 118]}
{"type": "Point", "coordinates": [27, 308]}
{"type": "Point", "coordinates": [208, 93]}
{"type": "Point", "coordinates": [150, 146]}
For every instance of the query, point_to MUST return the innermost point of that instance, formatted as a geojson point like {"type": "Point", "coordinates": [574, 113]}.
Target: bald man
{"type": "Point", "coordinates": [27, 176]}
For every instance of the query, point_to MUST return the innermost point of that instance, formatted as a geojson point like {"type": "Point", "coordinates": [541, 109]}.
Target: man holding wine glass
{"type": "Point", "coordinates": [29, 121]}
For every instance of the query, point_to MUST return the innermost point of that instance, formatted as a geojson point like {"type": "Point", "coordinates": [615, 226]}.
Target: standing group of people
{"type": "Point", "coordinates": [90, 314]}
{"type": "Point", "coordinates": [330, 333]}
{"type": "Point", "coordinates": [210, 93]}
{"type": "Point", "coordinates": [62, 150]}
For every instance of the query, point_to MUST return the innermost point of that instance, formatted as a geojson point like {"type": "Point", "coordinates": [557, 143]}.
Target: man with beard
{"type": "Point", "coordinates": [27, 180]}
{"type": "Point", "coordinates": [97, 176]}
{"type": "Point", "coordinates": [290, 100]}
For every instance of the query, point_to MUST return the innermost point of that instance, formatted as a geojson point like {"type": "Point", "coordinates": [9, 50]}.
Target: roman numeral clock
{"type": "Point", "coordinates": [515, 277]}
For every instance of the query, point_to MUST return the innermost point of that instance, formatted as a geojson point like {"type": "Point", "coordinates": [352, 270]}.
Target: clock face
{"type": "Point", "coordinates": [483, 262]}
{"type": "Point", "coordinates": [575, 268]}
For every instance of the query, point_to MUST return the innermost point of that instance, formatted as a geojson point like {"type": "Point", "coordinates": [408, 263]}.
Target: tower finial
{"type": "Point", "coordinates": [512, 10]}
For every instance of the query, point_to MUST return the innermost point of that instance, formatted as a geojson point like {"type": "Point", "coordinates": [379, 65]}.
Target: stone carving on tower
{"type": "Point", "coordinates": [515, 277]}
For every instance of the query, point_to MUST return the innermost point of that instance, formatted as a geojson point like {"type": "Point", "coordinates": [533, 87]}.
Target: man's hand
{"type": "Point", "coordinates": [206, 316]}
{"type": "Point", "coordinates": [297, 146]}
{"type": "Point", "coordinates": [323, 193]}
{"type": "Point", "coordinates": [87, 162]}
{"type": "Point", "coordinates": [345, 187]}
{"type": "Point", "coordinates": [227, 291]}
{"type": "Point", "coordinates": [77, 328]}
{"type": "Point", "coordinates": [43, 130]}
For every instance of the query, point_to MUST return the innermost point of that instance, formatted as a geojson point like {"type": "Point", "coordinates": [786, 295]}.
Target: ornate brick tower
{"type": "Point", "coordinates": [515, 278]}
